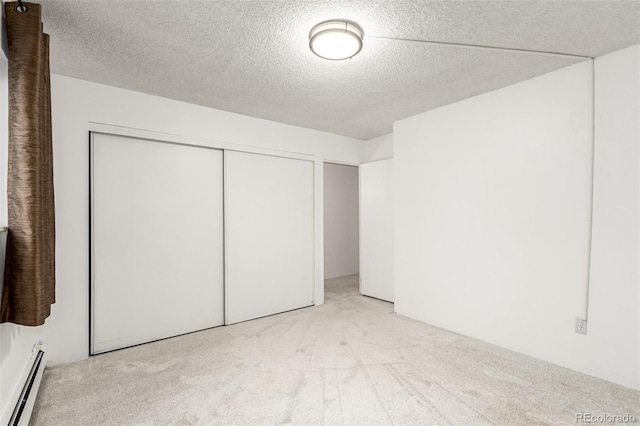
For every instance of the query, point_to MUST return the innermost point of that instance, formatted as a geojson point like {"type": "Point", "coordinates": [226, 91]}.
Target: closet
{"type": "Point", "coordinates": [186, 237]}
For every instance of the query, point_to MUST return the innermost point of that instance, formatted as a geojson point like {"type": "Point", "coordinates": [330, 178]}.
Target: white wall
{"type": "Point", "coordinates": [615, 270]}
{"type": "Point", "coordinates": [75, 104]}
{"type": "Point", "coordinates": [341, 229]}
{"type": "Point", "coordinates": [380, 148]}
{"type": "Point", "coordinates": [490, 218]}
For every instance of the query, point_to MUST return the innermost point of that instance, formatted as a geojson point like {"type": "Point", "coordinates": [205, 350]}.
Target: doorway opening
{"type": "Point", "coordinates": [341, 228]}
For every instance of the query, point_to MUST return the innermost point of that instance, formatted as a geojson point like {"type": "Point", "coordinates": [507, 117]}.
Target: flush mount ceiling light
{"type": "Point", "coordinates": [335, 40]}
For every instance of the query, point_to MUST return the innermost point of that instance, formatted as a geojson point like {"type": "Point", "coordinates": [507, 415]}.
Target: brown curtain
{"type": "Point", "coordinates": [29, 278]}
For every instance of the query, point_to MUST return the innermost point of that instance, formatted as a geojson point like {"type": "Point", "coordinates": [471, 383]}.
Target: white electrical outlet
{"type": "Point", "coordinates": [581, 326]}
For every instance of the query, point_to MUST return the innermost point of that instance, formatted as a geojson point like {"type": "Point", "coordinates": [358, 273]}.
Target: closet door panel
{"type": "Point", "coordinates": [269, 235]}
{"type": "Point", "coordinates": [157, 240]}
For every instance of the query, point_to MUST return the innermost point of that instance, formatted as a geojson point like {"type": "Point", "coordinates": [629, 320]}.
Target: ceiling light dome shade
{"type": "Point", "coordinates": [335, 40]}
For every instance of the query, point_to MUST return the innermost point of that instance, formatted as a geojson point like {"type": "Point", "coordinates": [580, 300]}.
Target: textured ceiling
{"type": "Point", "coordinates": [252, 57]}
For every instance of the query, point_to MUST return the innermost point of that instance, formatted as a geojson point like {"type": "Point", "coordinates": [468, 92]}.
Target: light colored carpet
{"type": "Point", "coordinates": [350, 361]}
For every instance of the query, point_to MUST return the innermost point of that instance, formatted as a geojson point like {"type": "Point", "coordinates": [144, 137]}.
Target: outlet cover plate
{"type": "Point", "coordinates": [581, 326]}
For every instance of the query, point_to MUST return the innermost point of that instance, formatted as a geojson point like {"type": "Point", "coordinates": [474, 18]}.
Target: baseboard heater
{"type": "Point", "coordinates": [32, 377]}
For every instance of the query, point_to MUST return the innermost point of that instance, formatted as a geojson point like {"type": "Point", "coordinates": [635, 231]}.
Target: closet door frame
{"type": "Point", "coordinates": [114, 130]}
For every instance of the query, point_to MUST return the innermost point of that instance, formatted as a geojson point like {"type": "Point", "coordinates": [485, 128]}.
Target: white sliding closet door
{"type": "Point", "coordinates": [157, 240]}
{"type": "Point", "coordinates": [269, 235]}
{"type": "Point", "coordinates": [376, 229]}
